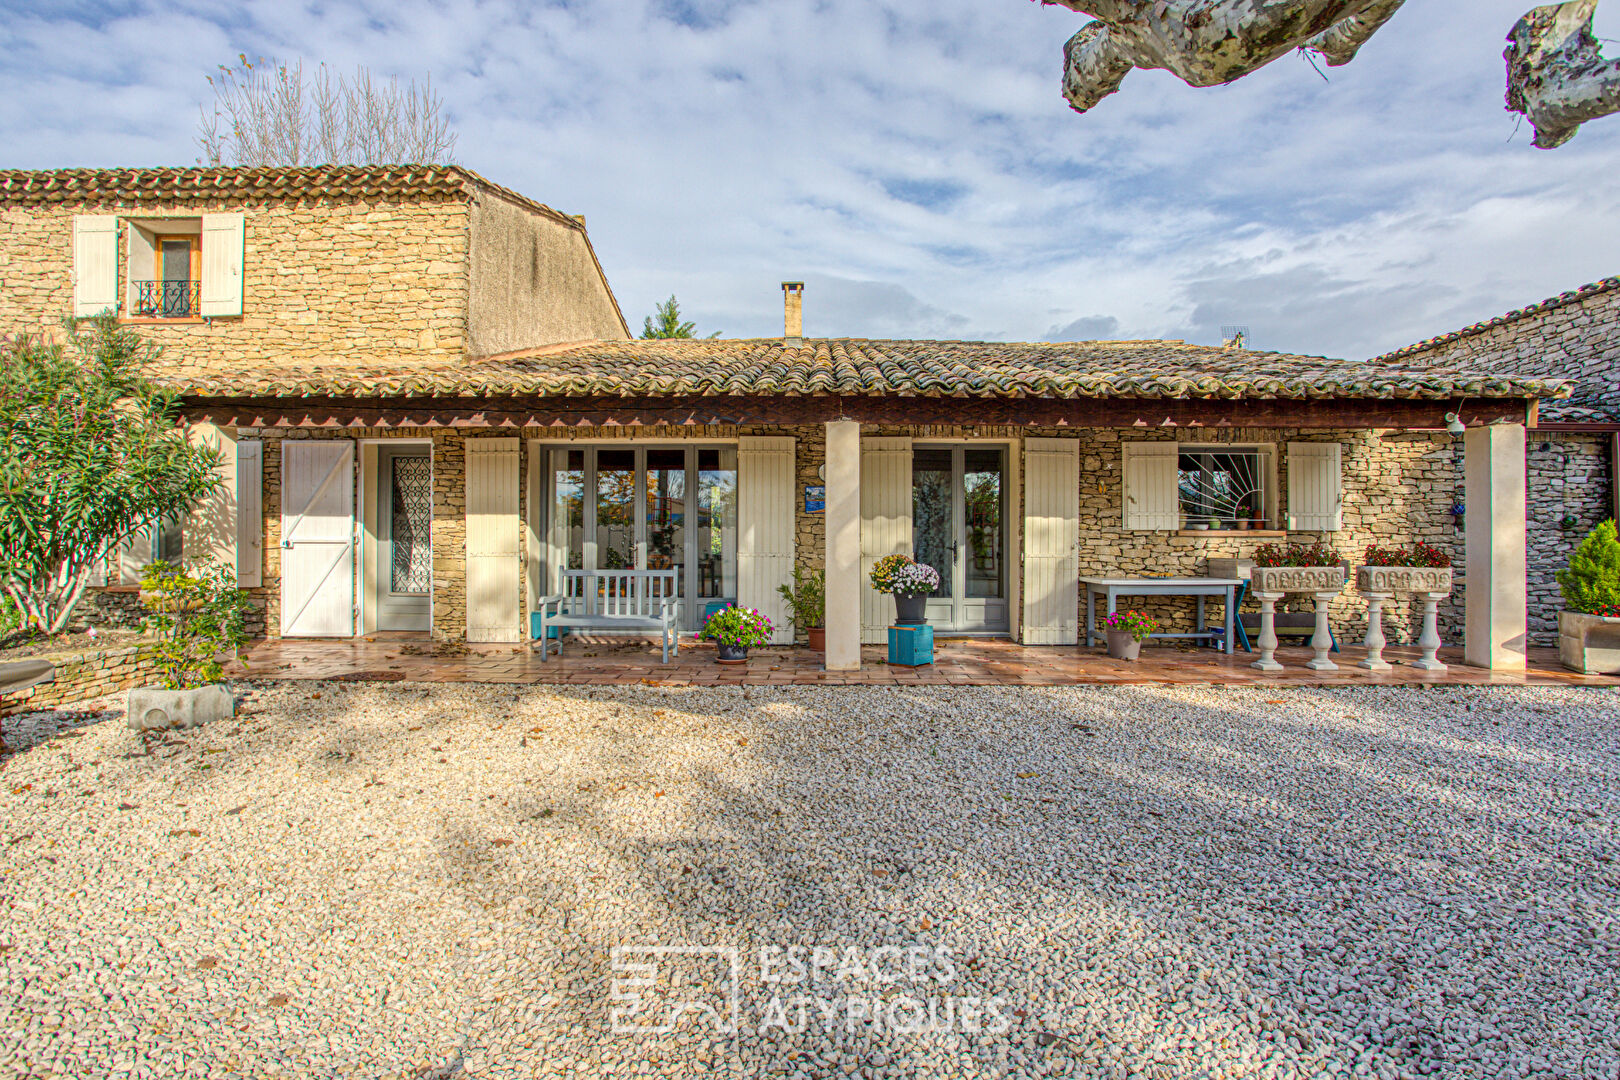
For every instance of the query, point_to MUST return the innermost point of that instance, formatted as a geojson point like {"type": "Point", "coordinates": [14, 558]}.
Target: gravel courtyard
{"type": "Point", "coordinates": [363, 880]}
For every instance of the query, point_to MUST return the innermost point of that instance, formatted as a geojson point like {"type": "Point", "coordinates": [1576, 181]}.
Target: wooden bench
{"type": "Point", "coordinates": [614, 600]}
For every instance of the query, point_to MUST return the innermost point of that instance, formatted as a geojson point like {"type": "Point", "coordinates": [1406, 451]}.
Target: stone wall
{"type": "Point", "coordinates": [382, 281]}
{"type": "Point", "coordinates": [81, 676]}
{"type": "Point", "coordinates": [1568, 487]}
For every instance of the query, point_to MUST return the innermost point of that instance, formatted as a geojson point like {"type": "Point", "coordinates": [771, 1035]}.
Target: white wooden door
{"type": "Point", "coordinates": [317, 538]}
{"type": "Point", "coordinates": [1051, 541]}
{"type": "Point", "coordinates": [494, 542]}
{"type": "Point", "coordinates": [885, 525]}
{"type": "Point", "coordinates": [765, 527]}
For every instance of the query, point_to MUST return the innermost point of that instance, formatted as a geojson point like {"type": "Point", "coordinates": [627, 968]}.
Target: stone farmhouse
{"type": "Point", "coordinates": [429, 406]}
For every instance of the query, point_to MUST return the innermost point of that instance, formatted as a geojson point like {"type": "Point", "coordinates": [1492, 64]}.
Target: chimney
{"type": "Point", "coordinates": [792, 314]}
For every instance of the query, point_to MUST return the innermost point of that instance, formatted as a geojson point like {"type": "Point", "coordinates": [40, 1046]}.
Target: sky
{"type": "Point", "coordinates": [915, 164]}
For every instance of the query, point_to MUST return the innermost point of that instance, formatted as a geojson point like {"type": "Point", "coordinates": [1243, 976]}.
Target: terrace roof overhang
{"type": "Point", "coordinates": [537, 415]}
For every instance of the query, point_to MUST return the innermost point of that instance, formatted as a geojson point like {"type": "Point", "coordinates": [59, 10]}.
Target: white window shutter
{"type": "Point", "coordinates": [886, 526]}
{"type": "Point", "coordinates": [1152, 495]}
{"type": "Point", "coordinates": [222, 245]}
{"type": "Point", "coordinates": [1051, 541]}
{"type": "Point", "coordinates": [249, 512]}
{"type": "Point", "coordinates": [765, 527]}
{"type": "Point", "coordinates": [136, 554]}
{"type": "Point", "coordinates": [95, 264]}
{"type": "Point", "coordinates": [1315, 487]}
{"type": "Point", "coordinates": [494, 541]}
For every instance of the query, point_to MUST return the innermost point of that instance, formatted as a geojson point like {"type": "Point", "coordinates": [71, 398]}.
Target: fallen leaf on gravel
{"type": "Point", "coordinates": [215, 750]}
{"type": "Point", "coordinates": [20, 839]}
{"type": "Point", "coordinates": [658, 794]}
{"type": "Point", "coordinates": [129, 806]}
{"type": "Point", "coordinates": [536, 730]}
{"type": "Point", "coordinates": [185, 832]}
{"type": "Point", "coordinates": [237, 809]}
{"type": "Point", "coordinates": [418, 727]}
{"type": "Point", "coordinates": [207, 963]}
{"type": "Point", "coordinates": [1278, 702]}
{"type": "Point", "coordinates": [1026, 775]}
{"type": "Point", "coordinates": [880, 872]}
{"type": "Point", "coordinates": [742, 742]}
{"type": "Point", "coordinates": [316, 696]}
{"type": "Point", "coordinates": [277, 1001]}
{"type": "Point", "coordinates": [501, 842]}
{"type": "Point", "coordinates": [926, 924]}
{"type": "Point", "coordinates": [20, 790]}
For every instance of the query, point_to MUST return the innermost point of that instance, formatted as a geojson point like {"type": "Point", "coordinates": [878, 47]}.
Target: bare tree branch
{"type": "Point", "coordinates": [267, 114]}
{"type": "Point", "coordinates": [1556, 73]}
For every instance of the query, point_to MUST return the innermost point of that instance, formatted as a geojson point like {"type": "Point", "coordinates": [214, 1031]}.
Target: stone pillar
{"type": "Point", "coordinates": [843, 523]}
{"type": "Point", "coordinates": [1267, 641]}
{"type": "Point", "coordinates": [1375, 633]}
{"type": "Point", "coordinates": [1493, 478]}
{"type": "Point", "coordinates": [1429, 639]}
{"type": "Point", "coordinates": [1322, 640]}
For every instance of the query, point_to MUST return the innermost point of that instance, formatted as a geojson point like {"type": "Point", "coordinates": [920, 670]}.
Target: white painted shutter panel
{"type": "Point", "coordinates": [494, 541]}
{"type": "Point", "coordinates": [136, 554]}
{"type": "Point", "coordinates": [1152, 499]}
{"type": "Point", "coordinates": [886, 526]}
{"type": "Point", "coordinates": [249, 512]}
{"type": "Point", "coordinates": [95, 264]}
{"type": "Point", "coordinates": [317, 538]}
{"type": "Point", "coordinates": [1315, 487]}
{"type": "Point", "coordinates": [222, 243]}
{"type": "Point", "coordinates": [1051, 541]}
{"type": "Point", "coordinates": [765, 527]}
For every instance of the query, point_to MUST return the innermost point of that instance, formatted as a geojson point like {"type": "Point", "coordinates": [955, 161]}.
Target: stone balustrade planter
{"type": "Point", "coordinates": [1430, 584]}
{"type": "Point", "coordinates": [1271, 584]}
{"type": "Point", "coordinates": [1589, 644]}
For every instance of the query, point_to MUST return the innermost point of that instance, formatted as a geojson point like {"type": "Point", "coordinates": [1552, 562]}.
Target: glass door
{"type": "Point", "coordinates": [959, 528]}
{"type": "Point", "coordinates": [646, 508]}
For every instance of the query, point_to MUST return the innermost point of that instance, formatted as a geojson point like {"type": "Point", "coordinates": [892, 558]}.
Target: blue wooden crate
{"type": "Point", "coordinates": [552, 632]}
{"type": "Point", "coordinates": [911, 646]}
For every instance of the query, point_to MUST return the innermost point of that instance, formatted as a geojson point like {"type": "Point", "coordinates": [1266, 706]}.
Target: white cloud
{"type": "Point", "coordinates": [916, 164]}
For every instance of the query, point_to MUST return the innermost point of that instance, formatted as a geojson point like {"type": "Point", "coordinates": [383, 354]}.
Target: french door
{"type": "Point", "coordinates": [959, 527]}
{"type": "Point", "coordinates": [646, 508]}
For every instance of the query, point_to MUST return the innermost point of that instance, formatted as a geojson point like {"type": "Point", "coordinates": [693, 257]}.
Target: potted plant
{"type": "Point", "coordinates": [909, 582]}
{"type": "Point", "coordinates": [197, 617]}
{"type": "Point", "coordinates": [807, 602]}
{"type": "Point", "coordinates": [733, 630]}
{"type": "Point", "coordinates": [1589, 626]}
{"type": "Point", "coordinates": [1280, 569]}
{"type": "Point", "coordinates": [1421, 569]}
{"type": "Point", "coordinates": [1126, 632]}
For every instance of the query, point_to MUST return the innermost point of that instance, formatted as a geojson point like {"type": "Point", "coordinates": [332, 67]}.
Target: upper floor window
{"type": "Point", "coordinates": [169, 284]}
{"type": "Point", "coordinates": [163, 267]}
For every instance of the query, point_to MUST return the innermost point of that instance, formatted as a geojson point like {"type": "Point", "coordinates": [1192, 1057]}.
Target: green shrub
{"type": "Point", "coordinates": [198, 616]}
{"type": "Point", "coordinates": [1592, 581]}
{"type": "Point", "coordinates": [806, 598]}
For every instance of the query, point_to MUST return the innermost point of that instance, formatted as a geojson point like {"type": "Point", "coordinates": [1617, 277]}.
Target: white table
{"type": "Point", "coordinates": [1202, 588]}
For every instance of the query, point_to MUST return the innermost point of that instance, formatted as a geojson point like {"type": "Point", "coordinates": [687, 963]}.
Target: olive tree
{"type": "Point", "coordinates": [1557, 76]}
{"type": "Point", "coordinates": [92, 454]}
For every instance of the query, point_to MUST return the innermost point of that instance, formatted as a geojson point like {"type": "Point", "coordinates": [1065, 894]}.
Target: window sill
{"type": "Point", "coordinates": [1268, 533]}
{"type": "Point", "coordinates": [132, 320]}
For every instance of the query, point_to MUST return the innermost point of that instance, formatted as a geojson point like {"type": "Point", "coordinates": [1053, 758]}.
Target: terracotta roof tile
{"type": "Point", "coordinates": [847, 366]}
{"type": "Point", "coordinates": [251, 184]}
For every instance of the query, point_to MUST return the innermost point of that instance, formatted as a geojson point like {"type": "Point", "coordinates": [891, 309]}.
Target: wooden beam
{"type": "Point", "coordinates": [535, 415]}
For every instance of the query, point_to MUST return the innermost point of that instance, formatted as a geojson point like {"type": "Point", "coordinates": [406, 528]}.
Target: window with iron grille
{"type": "Point", "coordinates": [1224, 487]}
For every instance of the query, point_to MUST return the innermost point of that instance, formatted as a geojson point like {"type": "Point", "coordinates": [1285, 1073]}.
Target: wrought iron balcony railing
{"type": "Point", "coordinates": [167, 299]}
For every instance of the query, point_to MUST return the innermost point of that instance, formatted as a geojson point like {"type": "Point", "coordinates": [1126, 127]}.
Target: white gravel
{"type": "Point", "coordinates": [404, 880]}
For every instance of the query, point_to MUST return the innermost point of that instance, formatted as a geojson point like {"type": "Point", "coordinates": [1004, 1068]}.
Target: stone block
{"type": "Point", "coordinates": [152, 709]}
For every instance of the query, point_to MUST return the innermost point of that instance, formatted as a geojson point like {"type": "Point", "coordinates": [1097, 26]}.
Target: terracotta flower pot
{"type": "Point", "coordinates": [818, 638]}
{"type": "Point", "coordinates": [1121, 646]}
